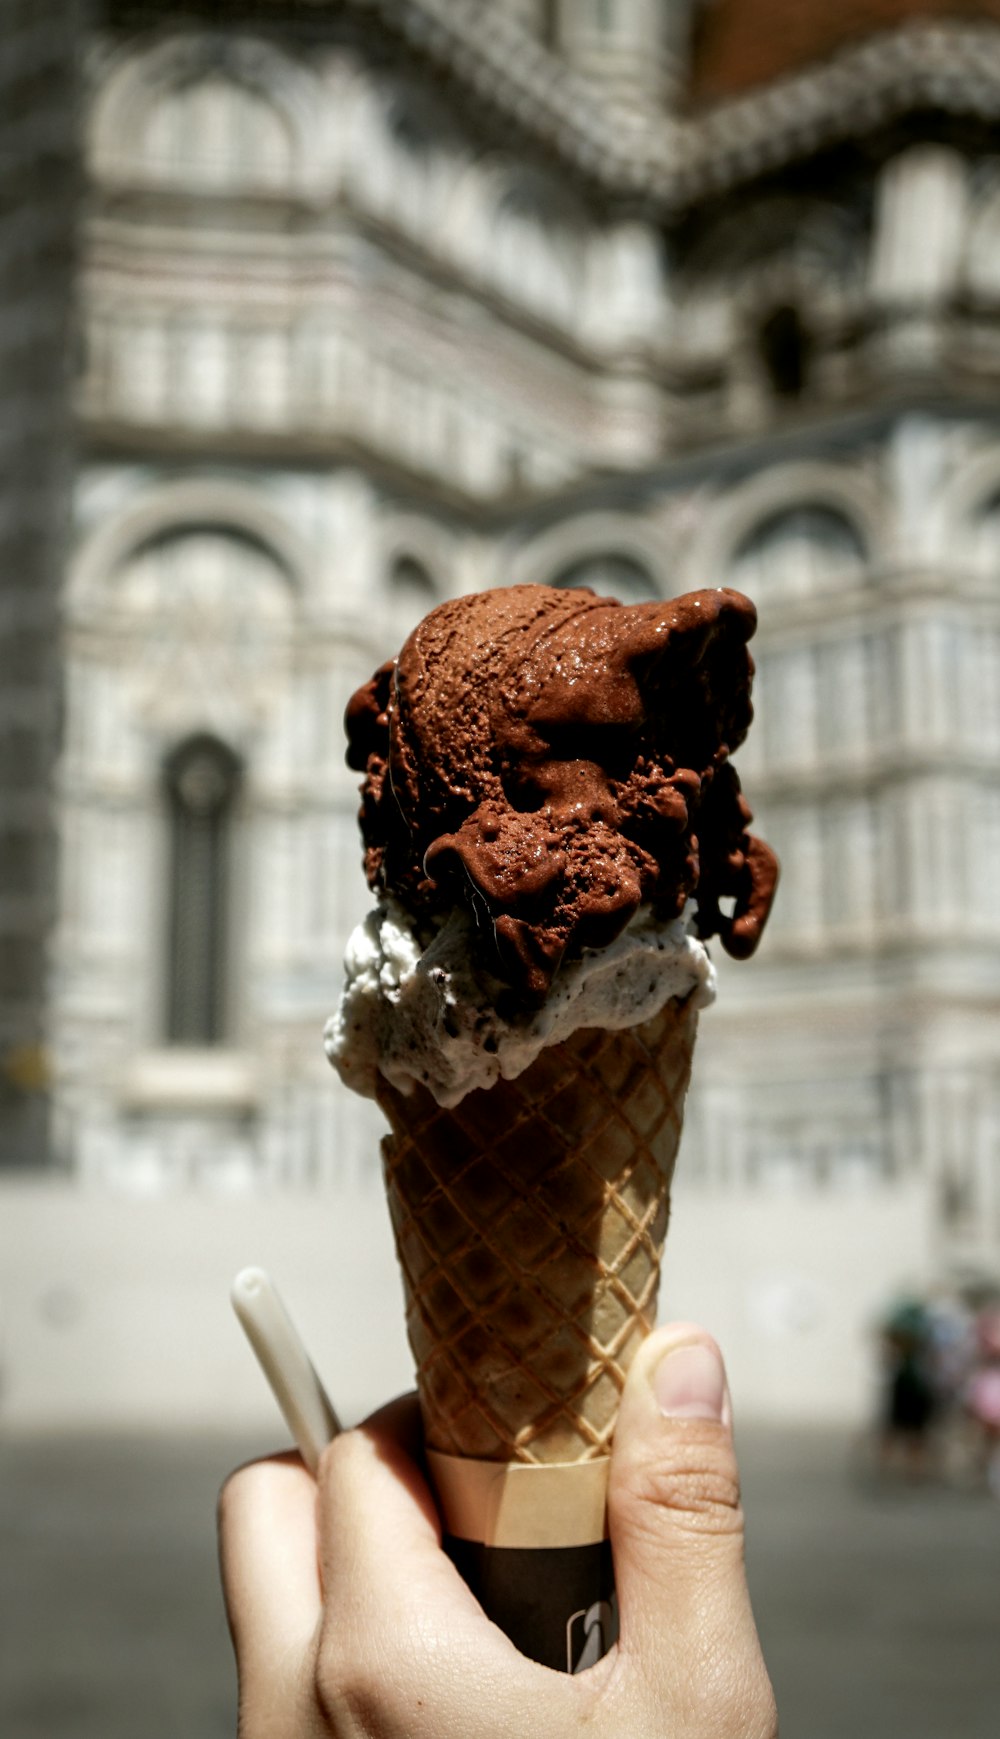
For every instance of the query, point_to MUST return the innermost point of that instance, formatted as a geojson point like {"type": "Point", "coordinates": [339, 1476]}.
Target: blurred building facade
{"type": "Point", "coordinates": [39, 189]}
{"type": "Point", "coordinates": [385, 302]}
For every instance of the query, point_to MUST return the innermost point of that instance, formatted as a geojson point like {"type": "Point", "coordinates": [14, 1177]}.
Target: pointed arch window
{"type": "Point", "coordinates": [202, 783]}
{"type": "Point", "coordinates": [213, 132]}
{"type": "Point", "coordinates": [410, 584]}
{"type": "Point", "coordinates": [799, 550]}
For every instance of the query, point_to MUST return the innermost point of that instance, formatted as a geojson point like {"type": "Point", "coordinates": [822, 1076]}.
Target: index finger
{"type": "Point", "coordinates": [398, 1614]}
{"type": "Point", "coordinates": [381, 1560]}
{"type": "Point", "coordinates": [268, 1558]}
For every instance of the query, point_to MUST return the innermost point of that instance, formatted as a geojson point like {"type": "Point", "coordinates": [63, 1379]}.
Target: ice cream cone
{"type": "Point", "coordinates": [530, 1221]}
{"type": "Point", "coordinates": [547, 805]}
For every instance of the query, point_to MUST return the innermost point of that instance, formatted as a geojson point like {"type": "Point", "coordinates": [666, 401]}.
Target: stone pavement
{"type": "Point", "coordinates": [879, 1610]}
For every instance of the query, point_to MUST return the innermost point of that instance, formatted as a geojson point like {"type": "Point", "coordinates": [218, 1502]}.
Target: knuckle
{"type": "Point", "coordinates": [353, 1681]}
{"type": "Point", "coordinates": [743, 1705]}
{"type": "Point", "coordinates": [346, 1703]}
{"type": "Point", "coordinates": [698, 1486]}
{"type": "Point", "coordinates": [236, 1493]}
{"type": "Point", "coordinates": [340, 1682]}
{"type": "Point", "coordinates": [344, 1458]}
{"type": "Point", "coordinates": [339, 1452]}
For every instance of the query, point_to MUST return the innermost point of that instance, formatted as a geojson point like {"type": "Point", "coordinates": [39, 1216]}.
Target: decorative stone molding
{"type": "Point", "coordinates": [178, 1078]}
{"type": "Point", "coordinates": [512, 77]}
{"type": "Point", "coordinates": [129, 88]}
{"type": "Point", "coordinates": [948, 66]}
{"type": "Point", "coordinates": [535, 97]}
{"type": "Point", "coordinates": [622, 45]}
{"type": "Point", "coordinates": [920, 227]}
{"type": "Point", "coordinates": [179, 506]}
{"type": "Point", "coordinates": [589, 535]}
{"type": "Point", "coordinates": [802, 483]}
{"type": "Point", "coordinates": [522, 232]}
{"type": "Point", "coordinates": [391, 382]}
{"type": "Point", "coordinates": [970, 491]}
{"type": "Point", "coordinates": [943, 66]}
{"type": "Point", "coordinates": [412, 535]}
{"type": "Point", "coordinates": [345, 130]}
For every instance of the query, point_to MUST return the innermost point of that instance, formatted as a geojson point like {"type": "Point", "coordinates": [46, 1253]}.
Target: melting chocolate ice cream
{"type": "Point", "coordinates": [552, 760]}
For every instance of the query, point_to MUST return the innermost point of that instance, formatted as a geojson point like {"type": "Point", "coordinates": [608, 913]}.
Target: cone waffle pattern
{"type": "Point", "coordinates": [529, 1223]}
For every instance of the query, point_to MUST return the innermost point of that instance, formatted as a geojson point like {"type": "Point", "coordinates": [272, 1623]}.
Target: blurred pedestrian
{"type": "Point", "coordinates": [909, 1402]}
{"type": "Point", "coordinates": [982, 1396]}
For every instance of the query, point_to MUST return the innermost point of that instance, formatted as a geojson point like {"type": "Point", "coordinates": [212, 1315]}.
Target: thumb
{"type": "Point", "coordinates": [675, 1516]}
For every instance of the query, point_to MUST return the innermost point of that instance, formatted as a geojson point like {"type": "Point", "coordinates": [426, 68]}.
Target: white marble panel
{"type": "Point", "coordinates": [199, 370]}
{"type": "Point", "coordinates": [142, 366]}
{"type": "Point", "coordinates": [886, 688]}
{"type": "Point", "coordinates": [790, 717]}
{"type": "Point", "coordinates": [844, 722]}
{"type": "Point", "coordinates": [261, 376]}
{"type": "Point", "coordinates": [920, 224]}
{"type": "Point", "coordinates": [849, 866]}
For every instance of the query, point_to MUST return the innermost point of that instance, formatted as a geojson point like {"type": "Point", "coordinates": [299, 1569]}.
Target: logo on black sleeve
{"type": "Point", "coordinates": [590, 1633]}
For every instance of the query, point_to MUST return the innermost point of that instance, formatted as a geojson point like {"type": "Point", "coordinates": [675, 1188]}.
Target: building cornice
{"type": "Point", "coordinates": [952, 69]}
{"type": "Point", "coordinates": [668, 163]}
{"type": "Point", "coordinates": [639, 154]}
{"type": "Point", "coordinates": [531, 92]}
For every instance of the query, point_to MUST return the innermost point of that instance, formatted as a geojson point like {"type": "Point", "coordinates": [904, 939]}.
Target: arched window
{"type": "Point", "coordinates": [548, 22]}
{"type": "Point", "coordinates": [215, 133]}
{"type": "Point", "coordinates": [986, 538]}
{"type": "Point", "coordinates": [414, 122]}
{"type": "Point", "coordinates": [201, 781]}
{"type": "Point", "coordinates": [412, 592]}
{"type": "Point", "coordinates": [796, 552]}
{"type": "Point", "coordinates": [982, 261]}
{"type": "Point", "coordinates": [611, 575]}
{"type": "Point", "coordinates": [537, 248]}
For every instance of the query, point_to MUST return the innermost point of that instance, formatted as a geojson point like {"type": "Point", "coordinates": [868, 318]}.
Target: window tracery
{"type": "Point", "coordinates": [798, 551]}
{"type": "Point", "coordinates": [216, 134]}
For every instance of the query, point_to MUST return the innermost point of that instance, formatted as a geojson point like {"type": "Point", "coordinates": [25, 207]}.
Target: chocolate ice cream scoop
{"type": "Point", "coordinates": [553, 760]}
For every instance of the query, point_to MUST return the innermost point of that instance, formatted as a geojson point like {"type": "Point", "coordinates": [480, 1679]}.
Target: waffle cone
{"type": "Point", "coordinates": [529, 1222]}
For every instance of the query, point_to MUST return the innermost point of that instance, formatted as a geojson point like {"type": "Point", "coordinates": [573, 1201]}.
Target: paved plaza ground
{"type": "Point", "coordinates": [879, 1609]}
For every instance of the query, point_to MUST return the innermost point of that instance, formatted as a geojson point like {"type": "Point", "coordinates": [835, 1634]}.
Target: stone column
{"type": "Point", "coordinates": [920, 220]}
{"type": "Point", "coordinates": [39, 182]}
{"type": "Point", "coordinates": [635, 49]}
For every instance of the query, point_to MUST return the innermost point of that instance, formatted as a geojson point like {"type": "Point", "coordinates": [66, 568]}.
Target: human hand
{"type": "Point", "coordinates": [349, 1622]}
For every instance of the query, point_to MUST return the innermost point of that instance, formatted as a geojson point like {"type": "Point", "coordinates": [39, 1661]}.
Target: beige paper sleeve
{"type": "Point", "coordinates": [521, 1504]}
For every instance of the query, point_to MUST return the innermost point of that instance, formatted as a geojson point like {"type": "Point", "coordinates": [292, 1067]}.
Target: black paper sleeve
{"type": "Point", "coordinates": [531, 1542]}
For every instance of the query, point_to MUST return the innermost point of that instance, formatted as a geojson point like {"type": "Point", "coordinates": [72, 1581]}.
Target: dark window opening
{"type": "Point", "coordinates": [202, 780]}
{"type": "Point", "coordinates": [784, 349]}
{"type": "Point", "coordinates": [411, 589]}
{"type": "Point", "coordinates": [549, 23]}
{"type": "Point", "coordinates": [410, 578]}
